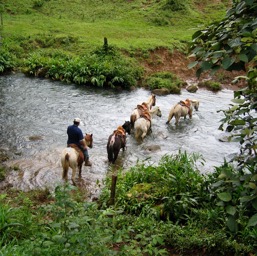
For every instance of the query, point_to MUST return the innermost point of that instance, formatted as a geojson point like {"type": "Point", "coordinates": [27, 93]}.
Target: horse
{"type": "Point", "coordinates": [73, 157]}
{"type": "Point", "coordinates": [147, 105]}
{"type": "Point", "coordinates": [143, 123]}
{"type": "Point", "coordinates": [117, 140]}
{"type": "Point", "coordinates": [182, 109]}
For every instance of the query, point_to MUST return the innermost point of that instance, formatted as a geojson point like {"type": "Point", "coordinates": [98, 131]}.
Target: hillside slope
{"type": "Point", "coordinates": [153, 32]}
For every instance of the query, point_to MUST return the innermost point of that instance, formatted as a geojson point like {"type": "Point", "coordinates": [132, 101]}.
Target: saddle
{"type": "Point", "coordinates": [78, 149]}
{"type": "Point", "coordinates": [120, 131]}
{"type": "Point", "coordinates": [146, 115]}
{"type": "Point", "coordinates": [185, 103]}
{"type": "Point", "coordinates": [142, 107]}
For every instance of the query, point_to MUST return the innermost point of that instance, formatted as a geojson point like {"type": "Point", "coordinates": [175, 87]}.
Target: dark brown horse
{"type": "Point", "coordinates": [117, 140]}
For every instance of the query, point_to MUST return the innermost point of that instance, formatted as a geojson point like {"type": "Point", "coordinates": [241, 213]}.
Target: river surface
{"type": "Point", "coordinates": [35, 114]}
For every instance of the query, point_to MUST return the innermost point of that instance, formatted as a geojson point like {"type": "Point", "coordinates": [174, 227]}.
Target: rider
{"type": "Point", "coordinates": [75, 136]}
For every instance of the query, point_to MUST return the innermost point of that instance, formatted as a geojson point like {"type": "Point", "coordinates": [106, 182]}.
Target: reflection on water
{"type": "Point", "coordinates": [35, 114]}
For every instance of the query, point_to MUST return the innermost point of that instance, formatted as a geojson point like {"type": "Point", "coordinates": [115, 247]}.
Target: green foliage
{"type": "Point", "coordinates": [164, 80]}
{"type": "Point", "coordinates": [176, 5]}
{"type": "Point", "coordinates": [211, 85]}
{"type": "Point", "coordinates": [15, 223]}
{"type": "Point", "coordinates": [172, 190]}
{"type": "Point", "coordinates": [228, 44]}
{"type": "Point", "coordinates": [6, 61]}
{"type": "Point", "coordinates": [63, 223]}
{"type": "Point", "coordinates": [101, 68]}
{"type": "Point", "coordinates": [231, 45]}
{"type": "Point", "coordinates": [235, 194]}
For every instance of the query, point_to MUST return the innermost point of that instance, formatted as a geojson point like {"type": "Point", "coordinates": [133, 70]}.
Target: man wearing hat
{"type": "Point", "coordinates": [75, 136]}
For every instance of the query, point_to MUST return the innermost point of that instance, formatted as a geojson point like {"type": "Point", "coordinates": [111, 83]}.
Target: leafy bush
{"type": "Point", "coordinates": [164, 80]}
{"type": "Point", "coordinates": [172, 190]}
{"type": "Point", "coordinates": [211, 85]}
{"type": "Point", "coordinates": [101, 68]}
{"type": "Point", "coordinates": [176, 5]}
{"type": "Point", "coordinates": [6, 61]}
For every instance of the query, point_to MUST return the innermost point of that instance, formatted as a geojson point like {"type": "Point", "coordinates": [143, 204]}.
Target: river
{"type": "Point", "coordinates": [35, 114]}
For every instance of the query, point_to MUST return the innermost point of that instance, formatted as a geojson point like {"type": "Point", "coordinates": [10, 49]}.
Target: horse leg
{"type": "Point", "coordinates": [190, 114]}
{"type": "Point", "coordinates": [65, 174]}
{"type": "Point", "coordinates": [177, 117]}
{"type": "Point", "coordinates": [73, 176]}
{"type": "Point", "coordinates": [80, 169]}
{"type": "Point", "coordinates": [65, 167]}
{"type": "Point", "coordinates": [171, 114]}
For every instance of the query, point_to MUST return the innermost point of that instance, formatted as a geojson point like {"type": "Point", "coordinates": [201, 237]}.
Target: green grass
{"type": "Point", "coordinates": [127, 24]}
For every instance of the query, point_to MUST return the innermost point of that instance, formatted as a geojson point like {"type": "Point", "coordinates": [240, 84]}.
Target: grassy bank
{"type": "Point", "coordinates": [36, 33]}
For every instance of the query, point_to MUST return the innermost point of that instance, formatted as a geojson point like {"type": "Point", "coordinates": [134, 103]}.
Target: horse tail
{"type": "Point", "coordinates": [171, 114]}
{"type": "Point", "coordinates": [132, 120]}
{"type": "Point", "coordinates": [138, 133]}
{"type": "Point", "coordinates": [65, 165]}
{"type": "Point", "coordinates": [110, 149]}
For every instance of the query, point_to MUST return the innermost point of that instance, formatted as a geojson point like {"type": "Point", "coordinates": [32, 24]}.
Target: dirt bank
{"type": "Point", "coordinates": [177, 63]}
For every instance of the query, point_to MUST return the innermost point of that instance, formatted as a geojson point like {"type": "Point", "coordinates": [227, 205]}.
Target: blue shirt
{"type": "Point", "coordinates": [75, 135]}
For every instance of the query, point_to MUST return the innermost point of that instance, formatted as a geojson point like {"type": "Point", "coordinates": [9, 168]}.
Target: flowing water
{"type": "Point", "coordinates": [35, 114]}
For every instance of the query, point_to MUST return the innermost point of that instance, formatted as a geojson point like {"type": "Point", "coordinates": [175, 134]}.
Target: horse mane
{"type": "Point", "coordinates": [89, 139]}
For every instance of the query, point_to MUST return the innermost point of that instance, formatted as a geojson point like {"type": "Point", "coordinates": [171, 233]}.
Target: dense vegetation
{"type": "Point", "coordinates": [158, 210]}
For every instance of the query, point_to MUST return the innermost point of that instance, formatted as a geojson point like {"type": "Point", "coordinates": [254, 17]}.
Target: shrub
{"type": "Point", "coordinates": [211, 85]}
{"type": "Point", "coordinates": [6, 61]}
{"type": "Point", "coordinates": [164, 80]}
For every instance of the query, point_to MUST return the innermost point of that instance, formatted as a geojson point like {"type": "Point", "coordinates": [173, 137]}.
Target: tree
{"type": "Point", "coordinates": [231, 44]}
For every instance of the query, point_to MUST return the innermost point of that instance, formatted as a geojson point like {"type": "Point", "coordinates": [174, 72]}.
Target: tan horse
{"type": "Point", "coordinates": [143, 123]}
{"type": "Point", "coordinates": [181, 109]}
{"type": "Point", "coordinates": [73, 157]}
{"type": "Point", "coordinates": [141, 108]}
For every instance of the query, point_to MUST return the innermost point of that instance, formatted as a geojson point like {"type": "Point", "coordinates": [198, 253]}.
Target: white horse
{"type": "Point", "coordinates": [143, 123]}
{"type": "Point", "coordinates": [182, 109]}
{"type": "Point", "coordinates": [147, 105]}
{"type": "Point", "coordinates": [73, 158]}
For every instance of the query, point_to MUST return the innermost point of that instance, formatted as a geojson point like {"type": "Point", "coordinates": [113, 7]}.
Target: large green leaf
{"type": "Point", "coordinates": [235, 42]}
{"type": "Point", "coordinates": [192, 64]}
{"type": "Point", "coordinates": [243, 57]}
{"type": "Point", "coordinates": [232, 224]}
{"type": "Point", "coordinates": [227, 62]}
{"type": "Point", "coordinates": [252, 221]}
{"type": "Point", "coordinates": [225, 196]}
{"type": "Point", "coordinates": [206, 65]}
{"type": "Point", "coordinates": [231, 210]}
{"type": "Point", "coordinates": [237, 122]}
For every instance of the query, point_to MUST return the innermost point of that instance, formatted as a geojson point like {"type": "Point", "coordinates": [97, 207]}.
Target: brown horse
{"type": "Point", "coordinates": [117, 140]}
{"type": "Point", "coordinates": [73, 157]}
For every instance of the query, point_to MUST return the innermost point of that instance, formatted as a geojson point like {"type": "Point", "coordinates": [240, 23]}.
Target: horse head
{"type": "Point", "coordinates": [89, 139]}
{"type": "Point", "coordinates": [127, 126]}
{"type": "Point", "coordinates": [156, 111]}
{"type": "Point", "coordinates": [195, 104]}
